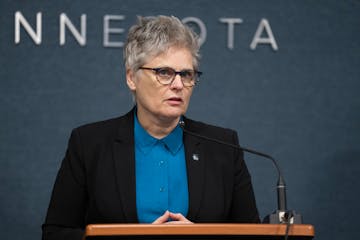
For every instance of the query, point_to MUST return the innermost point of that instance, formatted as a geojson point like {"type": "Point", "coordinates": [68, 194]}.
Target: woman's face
{"type": "Point", "coordinates": [156, 101]}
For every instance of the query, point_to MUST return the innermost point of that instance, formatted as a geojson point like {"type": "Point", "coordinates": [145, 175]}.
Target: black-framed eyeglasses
{"type": "Point", "coordinates": [166, 75]}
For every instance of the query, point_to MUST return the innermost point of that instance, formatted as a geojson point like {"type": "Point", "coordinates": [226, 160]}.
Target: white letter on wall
{"type": "Point", "coordinates": [201, 25]}
{"type": "Point", "coordinates": [108, 30]}
{"type": "Point", "coordinates": [80, 38]}
{"type": "Point", "coordinates": [19, 19]}
{"type": "Point", "coordinates": [231, 22]}
{"type": "Point", "coordinates": [264, 25]}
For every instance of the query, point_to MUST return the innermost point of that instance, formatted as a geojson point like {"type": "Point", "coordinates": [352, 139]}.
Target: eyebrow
{"type": "Point", "coordinates": [183, 69]}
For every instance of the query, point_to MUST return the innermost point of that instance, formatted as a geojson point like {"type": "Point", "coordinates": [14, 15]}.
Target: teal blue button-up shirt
{"type": "Point", "coordinates": [161, 177]}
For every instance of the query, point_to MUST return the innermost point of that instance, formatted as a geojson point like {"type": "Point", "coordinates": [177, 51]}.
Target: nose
{"type": "Point", "coordinates": [177, 83]}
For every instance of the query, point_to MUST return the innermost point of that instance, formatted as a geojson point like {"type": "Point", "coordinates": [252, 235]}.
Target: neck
{"type": "Point", "coordinates": [157, 127]}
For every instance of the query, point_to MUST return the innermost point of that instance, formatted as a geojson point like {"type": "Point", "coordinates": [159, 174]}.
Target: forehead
{"type": "Point", "coordinates": [175, 57]}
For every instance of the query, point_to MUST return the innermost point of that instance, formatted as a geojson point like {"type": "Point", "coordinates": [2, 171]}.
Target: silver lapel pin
{"type": "Point", "coordinates": [195, 157]}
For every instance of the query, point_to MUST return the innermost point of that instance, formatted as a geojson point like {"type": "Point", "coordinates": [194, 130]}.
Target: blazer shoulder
{"type": "Point", "coordinates": [99, 125]}
{"type": "Point", "coordinates": [106, 129]}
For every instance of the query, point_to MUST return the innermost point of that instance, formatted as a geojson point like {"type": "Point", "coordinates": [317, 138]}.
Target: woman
{"type": "Point", "coordinates": [141, 167]}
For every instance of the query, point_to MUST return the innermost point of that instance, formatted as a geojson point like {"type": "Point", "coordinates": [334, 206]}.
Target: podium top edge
{"type": "Point", "coordinates": [198, 229]}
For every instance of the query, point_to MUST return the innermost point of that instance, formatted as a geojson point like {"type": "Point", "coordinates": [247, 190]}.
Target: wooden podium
{"type": "Point", "coordinates": [198, 231]}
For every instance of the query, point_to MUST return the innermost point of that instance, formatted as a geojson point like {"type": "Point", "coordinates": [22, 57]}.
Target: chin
{"type": "Point", "coordinates": [173, 113]}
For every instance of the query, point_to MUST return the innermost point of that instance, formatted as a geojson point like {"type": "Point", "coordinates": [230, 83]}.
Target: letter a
{"type": "Point", "coordinates": [264, 25]}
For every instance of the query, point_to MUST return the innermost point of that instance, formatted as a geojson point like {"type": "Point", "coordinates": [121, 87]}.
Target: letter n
{"type": "Point", "coordinates": [20, 20]}
{"type": "Point", "coordinates": [79, 36]}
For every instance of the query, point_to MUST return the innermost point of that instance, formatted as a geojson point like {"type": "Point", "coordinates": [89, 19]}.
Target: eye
{"type": "Point", "coordinates": [165, 72]}
{"type": "Point", "coordinates": [187, 74]}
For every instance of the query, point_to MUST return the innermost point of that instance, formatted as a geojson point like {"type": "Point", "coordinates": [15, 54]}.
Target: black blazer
{"type": "Point", "coordinates": [96, 181]}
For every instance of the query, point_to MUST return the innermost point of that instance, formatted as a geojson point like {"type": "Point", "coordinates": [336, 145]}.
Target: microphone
{"type": "Point", "coordinates": [281, 215]}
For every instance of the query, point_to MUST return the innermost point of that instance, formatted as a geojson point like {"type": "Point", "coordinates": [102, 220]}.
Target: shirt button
{"type": "Point", "coordinates": [161, 163]}
{"type": "Point", "coordinates": [162, 189]}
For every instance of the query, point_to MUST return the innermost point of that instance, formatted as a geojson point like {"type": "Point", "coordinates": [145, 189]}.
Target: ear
{"type": "Point", "coordinates": [130, 79]}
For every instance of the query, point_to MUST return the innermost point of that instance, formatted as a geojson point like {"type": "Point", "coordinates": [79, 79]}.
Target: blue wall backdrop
{"type": "Point", "coordinates": [299, 103]}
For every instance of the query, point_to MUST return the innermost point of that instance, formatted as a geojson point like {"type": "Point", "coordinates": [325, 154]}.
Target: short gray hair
{"type": "Point", "coordinates": [152, 36]}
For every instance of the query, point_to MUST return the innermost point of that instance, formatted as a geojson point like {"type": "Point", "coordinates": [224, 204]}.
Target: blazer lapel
{"type": "Point", "coordinates": [195, 163]}
{"type": "Point", "coordinates": [124, 161]}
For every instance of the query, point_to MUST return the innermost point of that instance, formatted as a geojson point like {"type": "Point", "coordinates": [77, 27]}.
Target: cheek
{"type": "Point", "coordinates": [153, 94]}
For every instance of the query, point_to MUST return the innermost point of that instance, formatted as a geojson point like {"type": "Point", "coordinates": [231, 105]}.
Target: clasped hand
{"type": "Point", "coordinates": [172, 218]}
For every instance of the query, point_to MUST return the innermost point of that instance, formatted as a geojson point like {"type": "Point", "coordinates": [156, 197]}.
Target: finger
{"type": "Point", "coordinates": [162, 219]}
{"type": "Point", "coordinates": [178, 222]}
{"type": "Point", "coordinates": [178, 217]}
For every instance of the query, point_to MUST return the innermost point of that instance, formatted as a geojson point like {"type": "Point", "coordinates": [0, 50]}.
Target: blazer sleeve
{"type": "Point", "coordinates": [66, 213]}
{"type": "Point", "coordinates": [243, 206]}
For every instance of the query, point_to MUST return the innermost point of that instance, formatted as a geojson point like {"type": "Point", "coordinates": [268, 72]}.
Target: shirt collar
{"type": "Point", "coordinates": [146, 142]}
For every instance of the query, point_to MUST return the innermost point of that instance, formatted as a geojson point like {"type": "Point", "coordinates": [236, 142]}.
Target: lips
{"type": "Point", "coordinates": [174, 100]}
